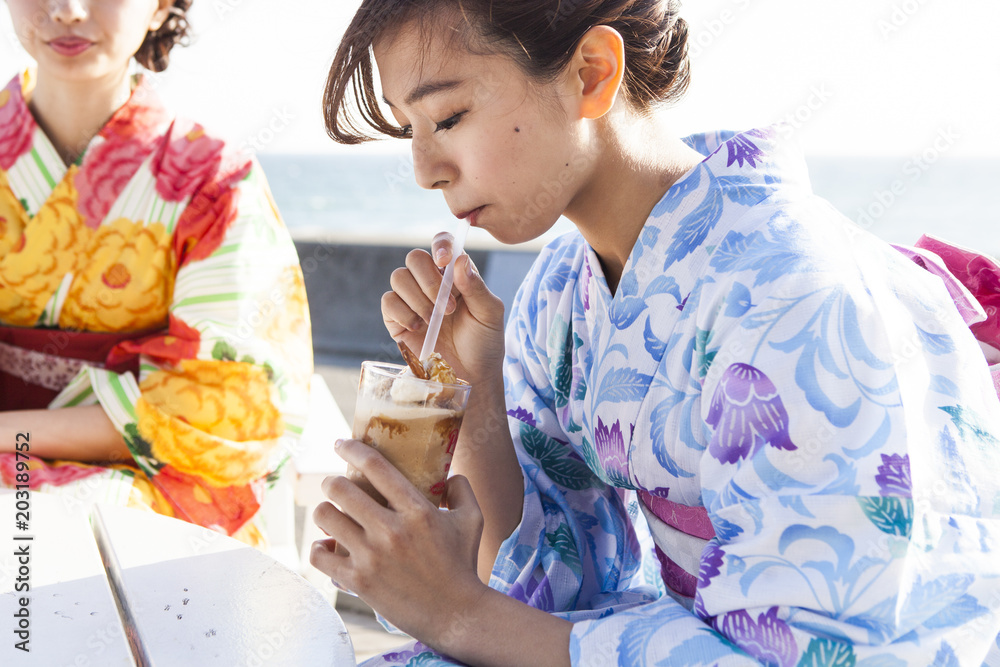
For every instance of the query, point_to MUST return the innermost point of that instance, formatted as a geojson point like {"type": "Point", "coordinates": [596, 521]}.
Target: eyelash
{"type": "Point", "coordinates": [445, 125]}
{"type": "Point", "coordinates": [449, 123]}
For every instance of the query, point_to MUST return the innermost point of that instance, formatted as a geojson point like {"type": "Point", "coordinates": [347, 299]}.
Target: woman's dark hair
{"type": "Point", "coordinates": [154, 54]}
{"type": "Point", "coordinates": [540, 35]}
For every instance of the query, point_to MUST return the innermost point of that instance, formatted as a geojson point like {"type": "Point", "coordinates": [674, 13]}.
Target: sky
{"type": "Point", "coordinates": [854, 77]}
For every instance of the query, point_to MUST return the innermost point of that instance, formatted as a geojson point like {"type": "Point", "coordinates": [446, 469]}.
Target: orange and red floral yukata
{"type": "Point", "coordinates": [153, 277]}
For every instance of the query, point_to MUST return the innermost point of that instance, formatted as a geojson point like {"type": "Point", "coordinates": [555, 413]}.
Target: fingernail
{"type": "Point", "coordinates": [469, 268]}
{"type": "Point", "coordinates": [451, 303]}
{"type": "Point", "coordinates": [337, 443]}
{"type": "Point", "coordinates": [440, 254]}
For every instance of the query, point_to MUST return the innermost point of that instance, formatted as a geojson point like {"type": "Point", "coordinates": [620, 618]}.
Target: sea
{"type": "Point", "coordinates": [374, 199]}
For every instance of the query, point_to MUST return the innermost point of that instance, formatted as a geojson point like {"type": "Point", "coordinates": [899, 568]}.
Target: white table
{"type": "Point", "coordinates": [128, 587]}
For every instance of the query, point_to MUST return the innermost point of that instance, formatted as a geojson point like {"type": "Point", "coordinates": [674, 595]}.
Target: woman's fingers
{"type": "Point", "coordinates": [459, 498]}
{"type": "Point", "coordinates": [411, 290]}
{"type": "Point", "coordinates": [428, 276]}
{"type": "Point", "coordinates": [326, 558]}
{"type": "Point", "coordinates": [386, 479]}
{"type": "Point", "coordinates": [483, 305]}
{"type": "Point", "coordinates": [398, 316]}
{"type": "Point", "coordinates": [441, 248]}
{"type": "Point", "coordinates": [354, 503]}
{"type": "Point", "coordinates": [335, 523]}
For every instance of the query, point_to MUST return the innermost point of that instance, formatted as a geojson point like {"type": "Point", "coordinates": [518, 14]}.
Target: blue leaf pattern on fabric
{"type": "Point", "coordinates": [946, 657]}
{"type": "Point", "coordinates": [738, 301]}
{"type": "Point", "coordinates": [663, 285]}
{"type": "Point", "coordinates": [943, 385]}
{"type": "Point", "coordinates": [695, 227]}
{"type": "Point", "coordinates": [827, 653]}
{"type": "Point", "coordinates": [652, 343]}
{"type": "Point", "coordinates": [677, 193]}
{"type": "Point", "coordinates": [741, 190]}
{"type": "Point", "coordinates": [936, 343]}
{"type": "Point", "coordinates": [622, 384]}
{"type": "Point", "coordinates": [626, 310]}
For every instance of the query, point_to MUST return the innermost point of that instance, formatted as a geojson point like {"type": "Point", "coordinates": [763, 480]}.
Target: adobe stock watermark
{"type": "Point", "coordinates": [279, 121]}
{"type": "Point", "coordinates": [913, 169]}
{"type": "Point", "coordinates": [403, 173]}
{"type": "Point", "coordinates": [713, 29]}
{"type": "Point", "coordinates": [899, 16]}
{"type": "Point", "coordinates": [224, 7]}
{"type": "Point", "coordinates": [795, 119]}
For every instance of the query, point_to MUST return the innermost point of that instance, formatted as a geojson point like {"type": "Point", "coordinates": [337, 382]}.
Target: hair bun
{"type": "Point", "coordinates": [154, 53]}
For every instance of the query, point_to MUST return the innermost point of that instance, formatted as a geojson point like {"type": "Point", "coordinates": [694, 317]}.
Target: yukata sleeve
{"type": "Point", "coordinates": [227, 383]}
{"type": "Point", "coordinates": [575, 551]}
{"type": "Point", "coordinates": [847, 431]}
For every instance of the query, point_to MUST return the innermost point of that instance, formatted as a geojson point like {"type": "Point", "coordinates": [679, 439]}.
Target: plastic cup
{"type": "Point", "coordinates": [413, 423]}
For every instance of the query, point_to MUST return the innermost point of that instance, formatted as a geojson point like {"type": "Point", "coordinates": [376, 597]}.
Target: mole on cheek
{"type": "Point", "coordinates": [517, 129]}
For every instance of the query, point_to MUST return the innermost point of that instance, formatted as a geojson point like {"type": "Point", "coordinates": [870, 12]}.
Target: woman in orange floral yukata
{"type": "Point", "coordinates": [154, 335]}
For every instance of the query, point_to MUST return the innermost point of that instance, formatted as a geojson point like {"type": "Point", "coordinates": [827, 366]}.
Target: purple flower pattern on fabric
{"type": "Point", "coordinates": [743, 150]}
{"type": "Point", "coordinates": [610, 446]}
{"type": "Point", "coordinates": [407, 653]}
{"type": "Point", "coordinates": [894, 476]}
{"type": "Point", "coordinates": [746, 413]}
{"type": "Point", "coordinates": [711, 561]}
{"type": "Point", "coordinates": [711, 564]}
{"type": "Point", "coordinates": [769, 639]}
{"type": "Point", "coordinates": [586, 285]}
{"type": "Point", "coordinates": [522, 415]}
{"type": "Point", "coordinates": [537, 595]}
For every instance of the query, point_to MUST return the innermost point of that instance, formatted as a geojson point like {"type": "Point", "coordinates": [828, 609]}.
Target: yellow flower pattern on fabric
{"type": "Point", "coordinates": [210, 419]}
{"type": "Point", "coordinates": [13, 218]}
{"type": "Point", "coordinates": [291, 323]}
{"type": "Point", "coordinates": [52, 247]}
{"type": "Point", "coordinates": [127, 283]}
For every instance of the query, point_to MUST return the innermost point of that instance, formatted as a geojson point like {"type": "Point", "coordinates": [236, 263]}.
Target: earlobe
{"type": "Point", "coordinates": [600, 64]}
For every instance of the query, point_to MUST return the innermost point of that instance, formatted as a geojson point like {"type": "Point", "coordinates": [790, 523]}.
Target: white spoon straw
{"type": "Point", "coordinates": [447, 280]}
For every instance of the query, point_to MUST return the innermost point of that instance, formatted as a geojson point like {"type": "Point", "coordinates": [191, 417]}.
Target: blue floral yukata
{"type": "Point", "coordinates": [798, 411]}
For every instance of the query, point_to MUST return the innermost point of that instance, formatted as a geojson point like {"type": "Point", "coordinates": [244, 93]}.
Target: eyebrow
{"type": "Point", "coordinates": [425, 89]}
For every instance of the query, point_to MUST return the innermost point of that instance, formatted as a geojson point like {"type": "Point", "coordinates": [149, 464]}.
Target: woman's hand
{"type": "Point", "coordinates": [411, 562]}
{"type": "Point", "coordinates": [471, 338]}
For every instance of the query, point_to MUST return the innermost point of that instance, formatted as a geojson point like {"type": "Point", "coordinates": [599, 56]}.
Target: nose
{"type": "Point", "coordinates": [67, 11]}
{"type": "Point", "coordinates": [432, 169]}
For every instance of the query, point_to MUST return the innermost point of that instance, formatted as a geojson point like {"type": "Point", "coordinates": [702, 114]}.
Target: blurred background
{"type": "Point", "coordinates": [881, 95]}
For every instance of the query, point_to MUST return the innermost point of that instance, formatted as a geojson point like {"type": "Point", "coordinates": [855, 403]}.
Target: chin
{"type": "Point", "coordinates": [510, 235]}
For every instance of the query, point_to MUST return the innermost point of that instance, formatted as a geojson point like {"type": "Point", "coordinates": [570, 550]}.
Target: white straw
{"type": "Point", "coordinates": [447, 280]}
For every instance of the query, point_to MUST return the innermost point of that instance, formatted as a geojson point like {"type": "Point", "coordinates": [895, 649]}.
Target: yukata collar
{"type": "Point", "coordinates": [142, 111]}
{"type": "Point", "coordinates": [661, 281]}
{"type": "Point", "coordinates": [753, 165]}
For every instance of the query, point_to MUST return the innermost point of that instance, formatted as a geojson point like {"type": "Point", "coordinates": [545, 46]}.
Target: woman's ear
{"type": "Point", "coordinates": [598, 66]}
{"type": "Point", "coordinates": [160, 15]}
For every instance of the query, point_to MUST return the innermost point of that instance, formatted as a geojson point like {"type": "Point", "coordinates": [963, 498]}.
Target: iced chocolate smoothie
{"type": "Point", "coordinates": [413, 422]}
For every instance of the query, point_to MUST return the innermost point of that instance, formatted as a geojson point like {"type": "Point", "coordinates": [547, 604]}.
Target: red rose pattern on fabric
{"type": "Point", "coordinates": [186, 162]}
{"type": "Point", "coordinates": [15, 135]}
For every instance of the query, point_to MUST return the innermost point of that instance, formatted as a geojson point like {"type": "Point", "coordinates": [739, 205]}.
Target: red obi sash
{"type": "Point", "coordinates": [36, 364]}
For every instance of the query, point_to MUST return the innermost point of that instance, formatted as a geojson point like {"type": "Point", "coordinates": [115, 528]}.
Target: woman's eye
{"type": "Point", "coordinates": [449, 123]}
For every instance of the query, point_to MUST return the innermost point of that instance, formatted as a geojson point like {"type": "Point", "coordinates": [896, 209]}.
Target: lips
{"type": "Point", "coordinates": [70, 46]}
{"type": "Point", "coordinates": [472, 215]}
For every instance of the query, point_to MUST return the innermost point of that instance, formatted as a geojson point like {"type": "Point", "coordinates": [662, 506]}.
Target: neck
{"type": "Point", "coordinates": [71, 113]}
{"type": "Point", "coordinates": [637, 163]}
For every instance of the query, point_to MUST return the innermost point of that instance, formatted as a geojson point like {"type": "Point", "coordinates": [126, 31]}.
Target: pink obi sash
{"type": "Point", "coordinates": [973, 281]}
{"type": "Point", "coordinates": [681, 533]}
{"type": "Point", "coordinates": [36, 364]}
